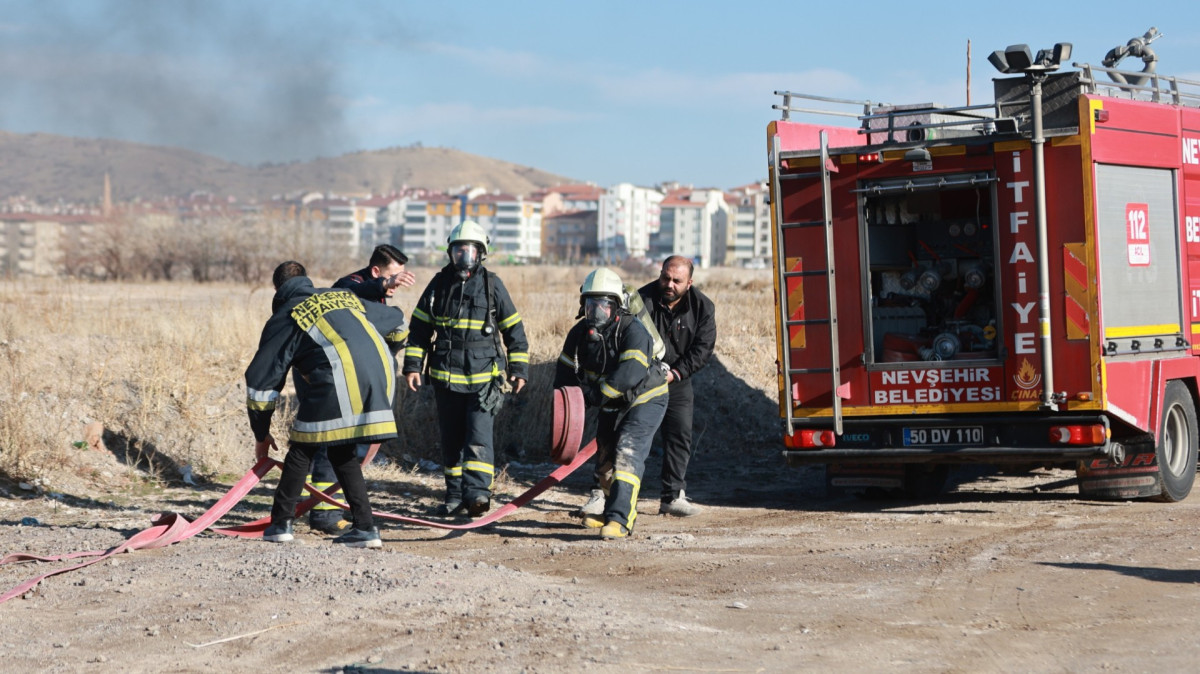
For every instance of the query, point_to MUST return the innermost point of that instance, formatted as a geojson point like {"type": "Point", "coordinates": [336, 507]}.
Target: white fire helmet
{"type": "Point", "coordinates": [468, 246]}
{"type": "Point", "coordinates": [601, 297]}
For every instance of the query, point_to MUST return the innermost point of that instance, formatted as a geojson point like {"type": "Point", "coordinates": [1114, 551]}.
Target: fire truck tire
{"type": "Point", "coordinates": [1175, 451]}
{"type": "Point", "coordinates": [924, 481]}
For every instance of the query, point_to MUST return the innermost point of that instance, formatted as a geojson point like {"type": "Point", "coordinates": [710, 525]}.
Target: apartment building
{"type": "Point", "coordinates": [379, 215]}
{"type": "Point", "coordinates": [427, 222]}
{"type": "Point", "coordinates": [43, 245]}
{"type": "Point", "coordinates": [570, 215]}
{"type": "Point", "coordinates": [627, 216]}
{"type": "Point", "coordinates": [570, 237]}
{"type": "Point", "coordinates": [513, 223]}
{"type": "Point", "coordinates": [749, 241]}
{"type": "Point", "coordinates": [693, 223]}
{"type": "Point", "coordinates": [355, 225]}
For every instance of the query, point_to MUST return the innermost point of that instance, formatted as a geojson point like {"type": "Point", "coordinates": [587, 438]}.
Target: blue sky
{"type": "Point", "coordinates": [605, 92]}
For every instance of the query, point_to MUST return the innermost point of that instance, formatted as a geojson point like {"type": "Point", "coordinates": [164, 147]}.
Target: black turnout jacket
{"type": "Point", "coordinates": [450, 332]}
{"type": "Point", "coordinates": [614, 367]}
{"type": "Point", "coordinates": [340, 352]}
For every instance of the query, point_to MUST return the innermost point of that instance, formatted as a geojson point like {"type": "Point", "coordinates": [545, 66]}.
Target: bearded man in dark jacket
{"type": "Point", "coordinates": [686, 320]}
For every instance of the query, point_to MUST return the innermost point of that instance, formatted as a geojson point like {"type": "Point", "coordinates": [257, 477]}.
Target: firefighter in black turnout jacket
{"type": "Point", "coordinates": [457, 328]}
{"type": "Point", "coordinates": [610, 355]}
{"type": "Point", "coordinates": [340, 351]}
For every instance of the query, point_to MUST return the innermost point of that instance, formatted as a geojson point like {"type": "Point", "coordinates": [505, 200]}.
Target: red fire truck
{"type": "Point", "coordinates": [1015, 283]}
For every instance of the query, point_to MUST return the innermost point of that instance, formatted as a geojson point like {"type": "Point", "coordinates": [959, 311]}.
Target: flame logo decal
{"type": "Point", "coordinates": [1027, 377]}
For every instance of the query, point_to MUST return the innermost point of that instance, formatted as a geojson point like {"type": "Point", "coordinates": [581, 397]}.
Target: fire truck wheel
{"type": "Point", "coordinates": [1177, 444]}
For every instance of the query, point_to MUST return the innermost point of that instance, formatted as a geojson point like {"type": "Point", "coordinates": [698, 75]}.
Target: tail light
{"type": "Point", "coordinates": [810, 439]}
{"type": "Point", "coordinates": [1089, 434]}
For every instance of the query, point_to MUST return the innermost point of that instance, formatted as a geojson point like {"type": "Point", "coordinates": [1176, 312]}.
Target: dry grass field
{"type": "Point", "coordinates": [160, 366]}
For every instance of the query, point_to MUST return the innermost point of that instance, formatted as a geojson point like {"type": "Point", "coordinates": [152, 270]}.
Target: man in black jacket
{"type": "Point", "coordinates": [381, 277]}
{"type": "Point", "coordinates": [340, 350]}
{"type": "Point", "coordinates": [457, 328]}
{"type": "Point", "coordinates": [686, 320]}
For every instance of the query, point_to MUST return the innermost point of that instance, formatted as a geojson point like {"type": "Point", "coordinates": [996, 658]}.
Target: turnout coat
{"type": "Point", "coordinates": [457, 328]}
{"type": "Point", "coordinates": [340, 352]}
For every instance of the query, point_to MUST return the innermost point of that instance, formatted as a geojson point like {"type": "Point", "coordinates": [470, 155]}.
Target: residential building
{"type": "Point", "coordinates": [427, 222]}
{"type": "Point", "coordinates": [692, 223]}
{"type": "Point", "coordinates": [750, 236]}
{"type": "Point", "coordinates": [351, 224]}
{"type": "Point", "coordinates": [379, 214]}
{"type": "Point", "coordinates": [570, 236]}
{"type": "Point", "coordinates": [628, 214]}
{"type": "Point", "coordinates": [42, 245]}
{"type": "Point", "coordinates": [513, 223]}
{"type": "Point", "coordinates": [580, 204]}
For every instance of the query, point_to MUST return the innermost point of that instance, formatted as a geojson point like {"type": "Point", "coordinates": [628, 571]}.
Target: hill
{"type": "Point", "coordinates": [47, 167]}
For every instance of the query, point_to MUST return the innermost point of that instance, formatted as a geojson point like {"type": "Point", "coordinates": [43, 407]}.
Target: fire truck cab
{"type": "Point", "coordinates": [1012, 283]}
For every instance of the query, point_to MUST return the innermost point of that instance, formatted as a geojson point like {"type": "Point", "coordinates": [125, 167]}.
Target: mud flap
{"type": "Point", "coordinates": [1136, 477]}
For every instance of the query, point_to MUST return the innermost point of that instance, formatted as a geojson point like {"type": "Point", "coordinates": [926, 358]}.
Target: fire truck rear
{"type": "Point", "coordinates": [1014, 283]}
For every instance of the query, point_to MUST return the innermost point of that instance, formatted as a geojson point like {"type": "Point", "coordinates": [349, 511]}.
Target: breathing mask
{"type": "Point", "coordinates": [599, 312]}
{"type": "Point", "coordinates": [465, 257]}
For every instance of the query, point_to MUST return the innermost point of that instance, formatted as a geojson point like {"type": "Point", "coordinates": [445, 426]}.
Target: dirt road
{"type": "Point", "coordinates": [1005, 573]}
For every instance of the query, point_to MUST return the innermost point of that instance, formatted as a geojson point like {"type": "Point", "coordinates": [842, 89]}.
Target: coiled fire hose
{"type": "Point", "coordinates": [168, 528]}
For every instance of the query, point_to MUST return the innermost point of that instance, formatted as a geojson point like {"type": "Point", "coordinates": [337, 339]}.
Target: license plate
{"type": "Point", "coordinates": [945, 435]}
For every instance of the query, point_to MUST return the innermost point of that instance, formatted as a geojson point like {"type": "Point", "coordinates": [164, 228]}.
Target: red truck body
{"type": "Point", "coordinates": [919, 312]}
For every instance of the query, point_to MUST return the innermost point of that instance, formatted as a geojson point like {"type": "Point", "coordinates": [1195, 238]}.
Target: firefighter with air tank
{"type": "Point", "coordinates": [457, 328]}
{"type": "Point", "coordinates": [610, 355]}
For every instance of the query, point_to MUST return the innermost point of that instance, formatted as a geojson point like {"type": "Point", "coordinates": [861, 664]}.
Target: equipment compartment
{"type": "Point", "coordinates": [931, 264]}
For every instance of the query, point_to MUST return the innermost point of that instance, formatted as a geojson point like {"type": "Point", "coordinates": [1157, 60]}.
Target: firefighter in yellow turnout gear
{"type": "Point", "coordinates": [457, 328]}
{"type": "Point", "coordinates": [610, 355]}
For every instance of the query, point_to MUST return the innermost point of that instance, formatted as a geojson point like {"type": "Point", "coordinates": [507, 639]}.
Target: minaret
{"type": "Point", "coordinates": [107, 206]}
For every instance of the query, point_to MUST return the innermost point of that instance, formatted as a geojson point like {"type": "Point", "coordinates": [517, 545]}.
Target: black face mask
{"type": "Point", "coordinates": [599, 312]}
{"type": "Point", "coordinates": [465, 257]}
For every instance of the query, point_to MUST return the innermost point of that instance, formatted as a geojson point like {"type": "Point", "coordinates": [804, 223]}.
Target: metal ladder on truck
{"type": "Point", "coordinates": [829, 272]}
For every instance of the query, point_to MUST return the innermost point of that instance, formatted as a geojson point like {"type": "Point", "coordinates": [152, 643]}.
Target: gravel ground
{"type": "Point", "coordinates": [1003, 573]}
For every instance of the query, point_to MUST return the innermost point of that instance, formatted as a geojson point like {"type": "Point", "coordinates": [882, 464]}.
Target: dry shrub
{"type": "Point", "coordinates": [161, 366]}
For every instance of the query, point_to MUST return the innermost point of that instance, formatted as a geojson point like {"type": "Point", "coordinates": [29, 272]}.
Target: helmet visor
{"type": "Point", "coordinates": [464, 255]}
